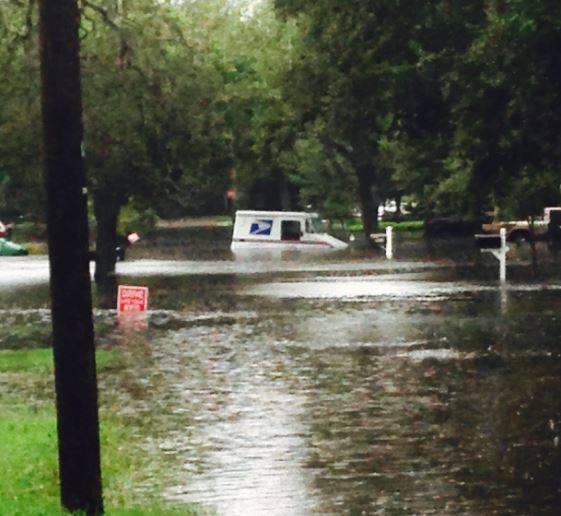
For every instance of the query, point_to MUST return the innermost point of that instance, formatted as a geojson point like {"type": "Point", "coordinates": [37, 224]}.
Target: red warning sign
{"type": "Point", "coordinates": [132, 299]}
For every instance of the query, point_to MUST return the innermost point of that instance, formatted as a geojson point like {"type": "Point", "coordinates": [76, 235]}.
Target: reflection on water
{"type": "Point", "coordinates": [413, 405]}
{"type": "Point", "coordinates": [342, 387]}
{"type": "Point", "coordinates": [35, 270]}
{"type": "Point", "coordinates": [257, 445]}
{"type": "Point", "coordinates": [337, 287]}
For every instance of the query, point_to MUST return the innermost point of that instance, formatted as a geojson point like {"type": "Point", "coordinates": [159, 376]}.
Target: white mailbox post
{"type": "Point", "coordinates": [385, 241]}
{"type": "Point", "coordinates": [389, 243]}
{"type": "Point", "coordinates": [499, 253]}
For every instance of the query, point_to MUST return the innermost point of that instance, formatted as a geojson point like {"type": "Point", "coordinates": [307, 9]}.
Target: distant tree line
{"type": "Point", "coordinates": [455, 104]}
{"type": "Point", "coordinates": [332, 105]}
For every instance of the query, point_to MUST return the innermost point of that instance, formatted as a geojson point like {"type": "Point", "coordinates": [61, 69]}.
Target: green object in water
{"type": "Point", "coordinates": [8, 248]}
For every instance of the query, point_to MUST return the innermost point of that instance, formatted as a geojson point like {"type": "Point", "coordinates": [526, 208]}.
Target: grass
{"type": "Point", "coordinates": [406, 226]}
{"type": "Point", "coordinates": [36, 360]}
{"type": "Point", "coordinates": [36, 247]}
{"type": "Point", "coordinates": [28, 447]}
{"type": "Point", "coordinates": [29, 471]}
{"type": "Point", "coordinates": [225, 219]}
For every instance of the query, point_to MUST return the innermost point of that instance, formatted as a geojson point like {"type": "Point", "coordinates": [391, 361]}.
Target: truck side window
{"type": "Point", "coordinates": [290, 230]}
{"type": "Point", "coordinates": [555, 217]}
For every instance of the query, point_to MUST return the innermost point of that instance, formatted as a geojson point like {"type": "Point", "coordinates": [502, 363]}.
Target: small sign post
{"type": "Point", "coordinates": [496, 245]}
{"type": "Point", "coordinates": [385, 241]}
{"type": "Point", "coordinates": [132, 303]}
{"type": "Point", "coordinates": [132, 300]}
{"type": "Point", "coordinates": [389, 243]}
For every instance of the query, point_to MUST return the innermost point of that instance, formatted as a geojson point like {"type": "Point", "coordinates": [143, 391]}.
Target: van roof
{"type": "Point", "coordinates": [256, 213]}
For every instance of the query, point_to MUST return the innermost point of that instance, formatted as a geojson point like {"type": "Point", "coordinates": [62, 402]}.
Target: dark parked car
{"type": "Point", "coordinates": [452, 226]}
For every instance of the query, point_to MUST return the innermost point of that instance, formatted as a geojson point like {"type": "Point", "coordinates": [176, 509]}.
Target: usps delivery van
{"type": "Point", "coordinates": [284, 230]}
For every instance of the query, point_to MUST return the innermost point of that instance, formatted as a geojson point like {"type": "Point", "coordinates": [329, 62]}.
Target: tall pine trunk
{"type": "Point", "coordinates": [73, 337]}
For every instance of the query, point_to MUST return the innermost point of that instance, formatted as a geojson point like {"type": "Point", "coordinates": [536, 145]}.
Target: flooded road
{"type": "Point", "coordinates": [343, 385]}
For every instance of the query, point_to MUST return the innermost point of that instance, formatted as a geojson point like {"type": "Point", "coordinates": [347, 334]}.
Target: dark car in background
{"type": "Point", "coordinates": [453, 226]}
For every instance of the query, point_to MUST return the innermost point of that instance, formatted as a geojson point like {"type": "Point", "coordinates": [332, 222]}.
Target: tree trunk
{"type": "Point", "coordinates": [73, 337]}
{"type": "Point", "coordinates": [534, 256]}
{"type": "Point", "coordinates": [398, 213]}
{"type": "Point", "coordinates": [369, 212]}
{"type": "Point", "coordinates": [107, 214]}
{"type": "Point", "coordinates": [107, 293]}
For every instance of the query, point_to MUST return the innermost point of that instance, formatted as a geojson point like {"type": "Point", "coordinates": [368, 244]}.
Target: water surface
{"type": "Point", "coordinates": [346, 384]}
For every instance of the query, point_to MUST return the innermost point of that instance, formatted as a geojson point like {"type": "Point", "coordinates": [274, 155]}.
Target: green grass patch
{"type": "Point", "coordinates": [36, 360]}
{"type": "Point", "coordinates": [40, 361]}
{"type": "Point", "coordinates": [404, 226]}
{"type": "Point", "coordinates": [29, 474]}
{"type": "Point", "coordinates": [225, 220]}
{"type": "Point", "coordinates": [28, 446]}
{"type": "Point", "coordinates": [36, 248]}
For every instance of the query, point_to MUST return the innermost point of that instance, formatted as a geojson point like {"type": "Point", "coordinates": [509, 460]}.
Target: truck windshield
{"type": "Point", "coordinates": [315, 225]}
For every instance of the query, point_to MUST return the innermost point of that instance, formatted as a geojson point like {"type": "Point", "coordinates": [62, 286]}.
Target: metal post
{"type": "Point", "coordinates": [499, 253]}
{"type": "Point", "coordinates": [389, 242]}
{"type": "Point", "coordinates": [502, 257]}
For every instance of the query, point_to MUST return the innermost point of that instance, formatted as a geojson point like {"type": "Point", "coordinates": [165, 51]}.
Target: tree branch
{"type": "Point", "coordinates": [102, 12]}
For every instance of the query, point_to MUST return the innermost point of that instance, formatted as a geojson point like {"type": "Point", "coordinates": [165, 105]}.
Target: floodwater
{"type": "Point", "coordinates": [338, 384]}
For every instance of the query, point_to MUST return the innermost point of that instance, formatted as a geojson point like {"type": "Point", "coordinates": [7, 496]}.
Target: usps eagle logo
{"type": "Point", "coordinates": [261, 227]}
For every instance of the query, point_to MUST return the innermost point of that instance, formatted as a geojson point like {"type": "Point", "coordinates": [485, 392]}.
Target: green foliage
{"type": "Point", "coordinates": [26, 231]}
{"type": "Point", "coordinates": [132, 219]}
{"type": "Point", "coordinates": [530, 193]}
{"type": "Point", "coordinates": [151, 82]}
{"type": "Point", "coordinates": [356, 89]}
{"type": "Point", "coordinates": [297, 104]}
{"type": "Point", "coordinates": [502, 88]}
{"type": "Point", "coordinates": [21, 189]}
{"type": "Point", "coordinates": [326, 185]}
{"type": "Point", "coordinates": [259, 124]}
{"type": "Point", "coordinates": [452, 102]}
